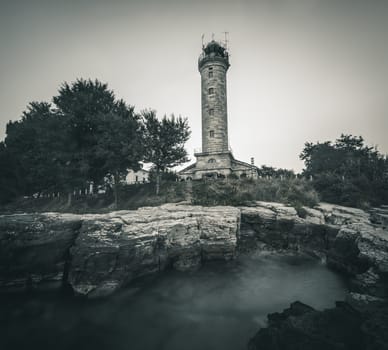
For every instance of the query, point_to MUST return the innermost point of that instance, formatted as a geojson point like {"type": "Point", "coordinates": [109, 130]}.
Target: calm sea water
{"type": "Point", "coordinates": [221, 306]}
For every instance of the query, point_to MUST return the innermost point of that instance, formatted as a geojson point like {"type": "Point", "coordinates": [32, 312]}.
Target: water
{"type": "Point", "coordinates": [221, 306]}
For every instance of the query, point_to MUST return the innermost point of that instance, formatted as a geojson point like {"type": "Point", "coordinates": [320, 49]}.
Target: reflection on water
{"type": "Point", "coordinates": [218, 307]}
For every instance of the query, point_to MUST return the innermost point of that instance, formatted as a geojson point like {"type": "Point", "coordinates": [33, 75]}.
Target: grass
{"type": "Point", "coordinates": [131, 197]}
{"type": "Point", "coordinates": [296, 192]}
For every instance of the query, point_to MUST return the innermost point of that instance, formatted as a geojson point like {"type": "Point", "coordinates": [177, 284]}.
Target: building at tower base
{"type": "Point", "coordinates": [214, 165]}
{"type": "Point", "coordinates": [215, 159]}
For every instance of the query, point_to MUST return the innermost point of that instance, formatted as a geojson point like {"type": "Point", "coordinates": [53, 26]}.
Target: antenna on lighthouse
{"type": "Point", "coordinates": [203, 35]}
{"type": "Point", "coordinates": [226, 39]}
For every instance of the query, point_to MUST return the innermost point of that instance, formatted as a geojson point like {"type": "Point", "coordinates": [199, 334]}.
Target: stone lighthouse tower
{"type": "Point", "coordinates": [213, 64]}
{"type": "Point", "coordinates": [215, 159]}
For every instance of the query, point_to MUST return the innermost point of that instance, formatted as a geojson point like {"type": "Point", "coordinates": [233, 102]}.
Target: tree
{"type": "Point", "coordinates": [268, 171]}
{"type": "Point", "coordinates": [347, 171]}
{"type": "Point", "coordinates": [164, 142]}
{"type": "Point", "coordinates": [166, 175]}
{"type": "Point", "coordinates": [83, 106]}
{"type": "Point", "coordinates": [119, 145]}
{"type": "Point", "coordinates": [88, 137]}
{"type": "Point", "coordinates": [10, 186]}
{"type": "Point", "coordinates": [34, 146]}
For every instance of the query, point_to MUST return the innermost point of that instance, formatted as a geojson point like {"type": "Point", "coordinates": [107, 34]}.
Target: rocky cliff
{"type": "Point", "coordinates": [113, 249]}
{"type": "Point", "coordinates": [343, 327]}
{"type": "Point", "coordinates": [351, 241]}
{"type": "Point", "coordinates": [97, 254]}
{"type": "Point", "coordinates": [344, 237]}
{"type": "Point", "coordinates": [34, 249]}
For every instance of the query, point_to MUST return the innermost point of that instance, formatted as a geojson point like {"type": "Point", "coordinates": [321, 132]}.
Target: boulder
{"type": "Point", "coordinates": [343, 327]}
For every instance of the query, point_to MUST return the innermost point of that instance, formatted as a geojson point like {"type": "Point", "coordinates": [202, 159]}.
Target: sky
{"type": "Point", "coordinates": [301, 70]}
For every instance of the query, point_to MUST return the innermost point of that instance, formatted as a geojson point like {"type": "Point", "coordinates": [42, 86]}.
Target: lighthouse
{"type": "Point", "coordinates": [215, 158]}
{"type": "Point", "coordinates": [213, 65]}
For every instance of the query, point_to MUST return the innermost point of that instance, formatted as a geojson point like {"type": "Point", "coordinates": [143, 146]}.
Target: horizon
{"type": "Point", "coordinates": [301, 71]}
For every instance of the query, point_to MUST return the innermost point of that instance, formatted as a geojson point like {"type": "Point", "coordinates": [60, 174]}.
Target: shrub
{"type": "Point", "coordinates": [296, 192]}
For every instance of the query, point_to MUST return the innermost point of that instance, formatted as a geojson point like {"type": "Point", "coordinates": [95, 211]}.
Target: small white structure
{"type": "Point", "coordinates": [137, 177]}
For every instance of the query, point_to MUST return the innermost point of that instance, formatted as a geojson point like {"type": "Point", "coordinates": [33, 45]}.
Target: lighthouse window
{"type": "Point", "coordinates": [211, 133]}
{"type": "Point", "coordinates": [210, 72]}
{"type": "Point", "coordinates": [211, 111]}
{"type": "Point", "coordinates": [212, 160]}
{"type": "Point", "coordinates": [211, 91]}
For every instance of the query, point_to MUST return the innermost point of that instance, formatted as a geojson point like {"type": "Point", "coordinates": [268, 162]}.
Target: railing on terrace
{"type": "Point", "coordinates": [199, 150]}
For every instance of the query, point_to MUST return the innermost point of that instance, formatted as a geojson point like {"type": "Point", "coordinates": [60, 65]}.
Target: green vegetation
{"type": "Point", "coordinates": [293, 191]}
{"type": "Point", "coordinates": [271, 172]}
{"type": "Point", "coordinates": [347, 172]}
{"type": "Point", "coordinates": [131, 197]}
{"type": "Point", "coordinates": [296, 192]}
{"type": "Point", "coordinates": [87, 137]}
{"type": "Point", "coordinates": [164, 142]}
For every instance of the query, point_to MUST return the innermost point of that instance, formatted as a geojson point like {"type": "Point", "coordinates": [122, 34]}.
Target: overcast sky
{"type": "Point", "coordinates": [301, 70]}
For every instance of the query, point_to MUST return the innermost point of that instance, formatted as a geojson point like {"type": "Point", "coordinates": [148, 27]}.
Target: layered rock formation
{"type": "Point", "coordinates": [380, 215]}
{"type": "Point", "coordinates": [113, 249]}
{"type": "Point", "coordinates": [351, 241]}
{"type": "Point", "coordinates": [34, 249]}
{"type": "Point", "coordinates": [344, 237]}
{"type": "Point", "coordinates": [97, 254]}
